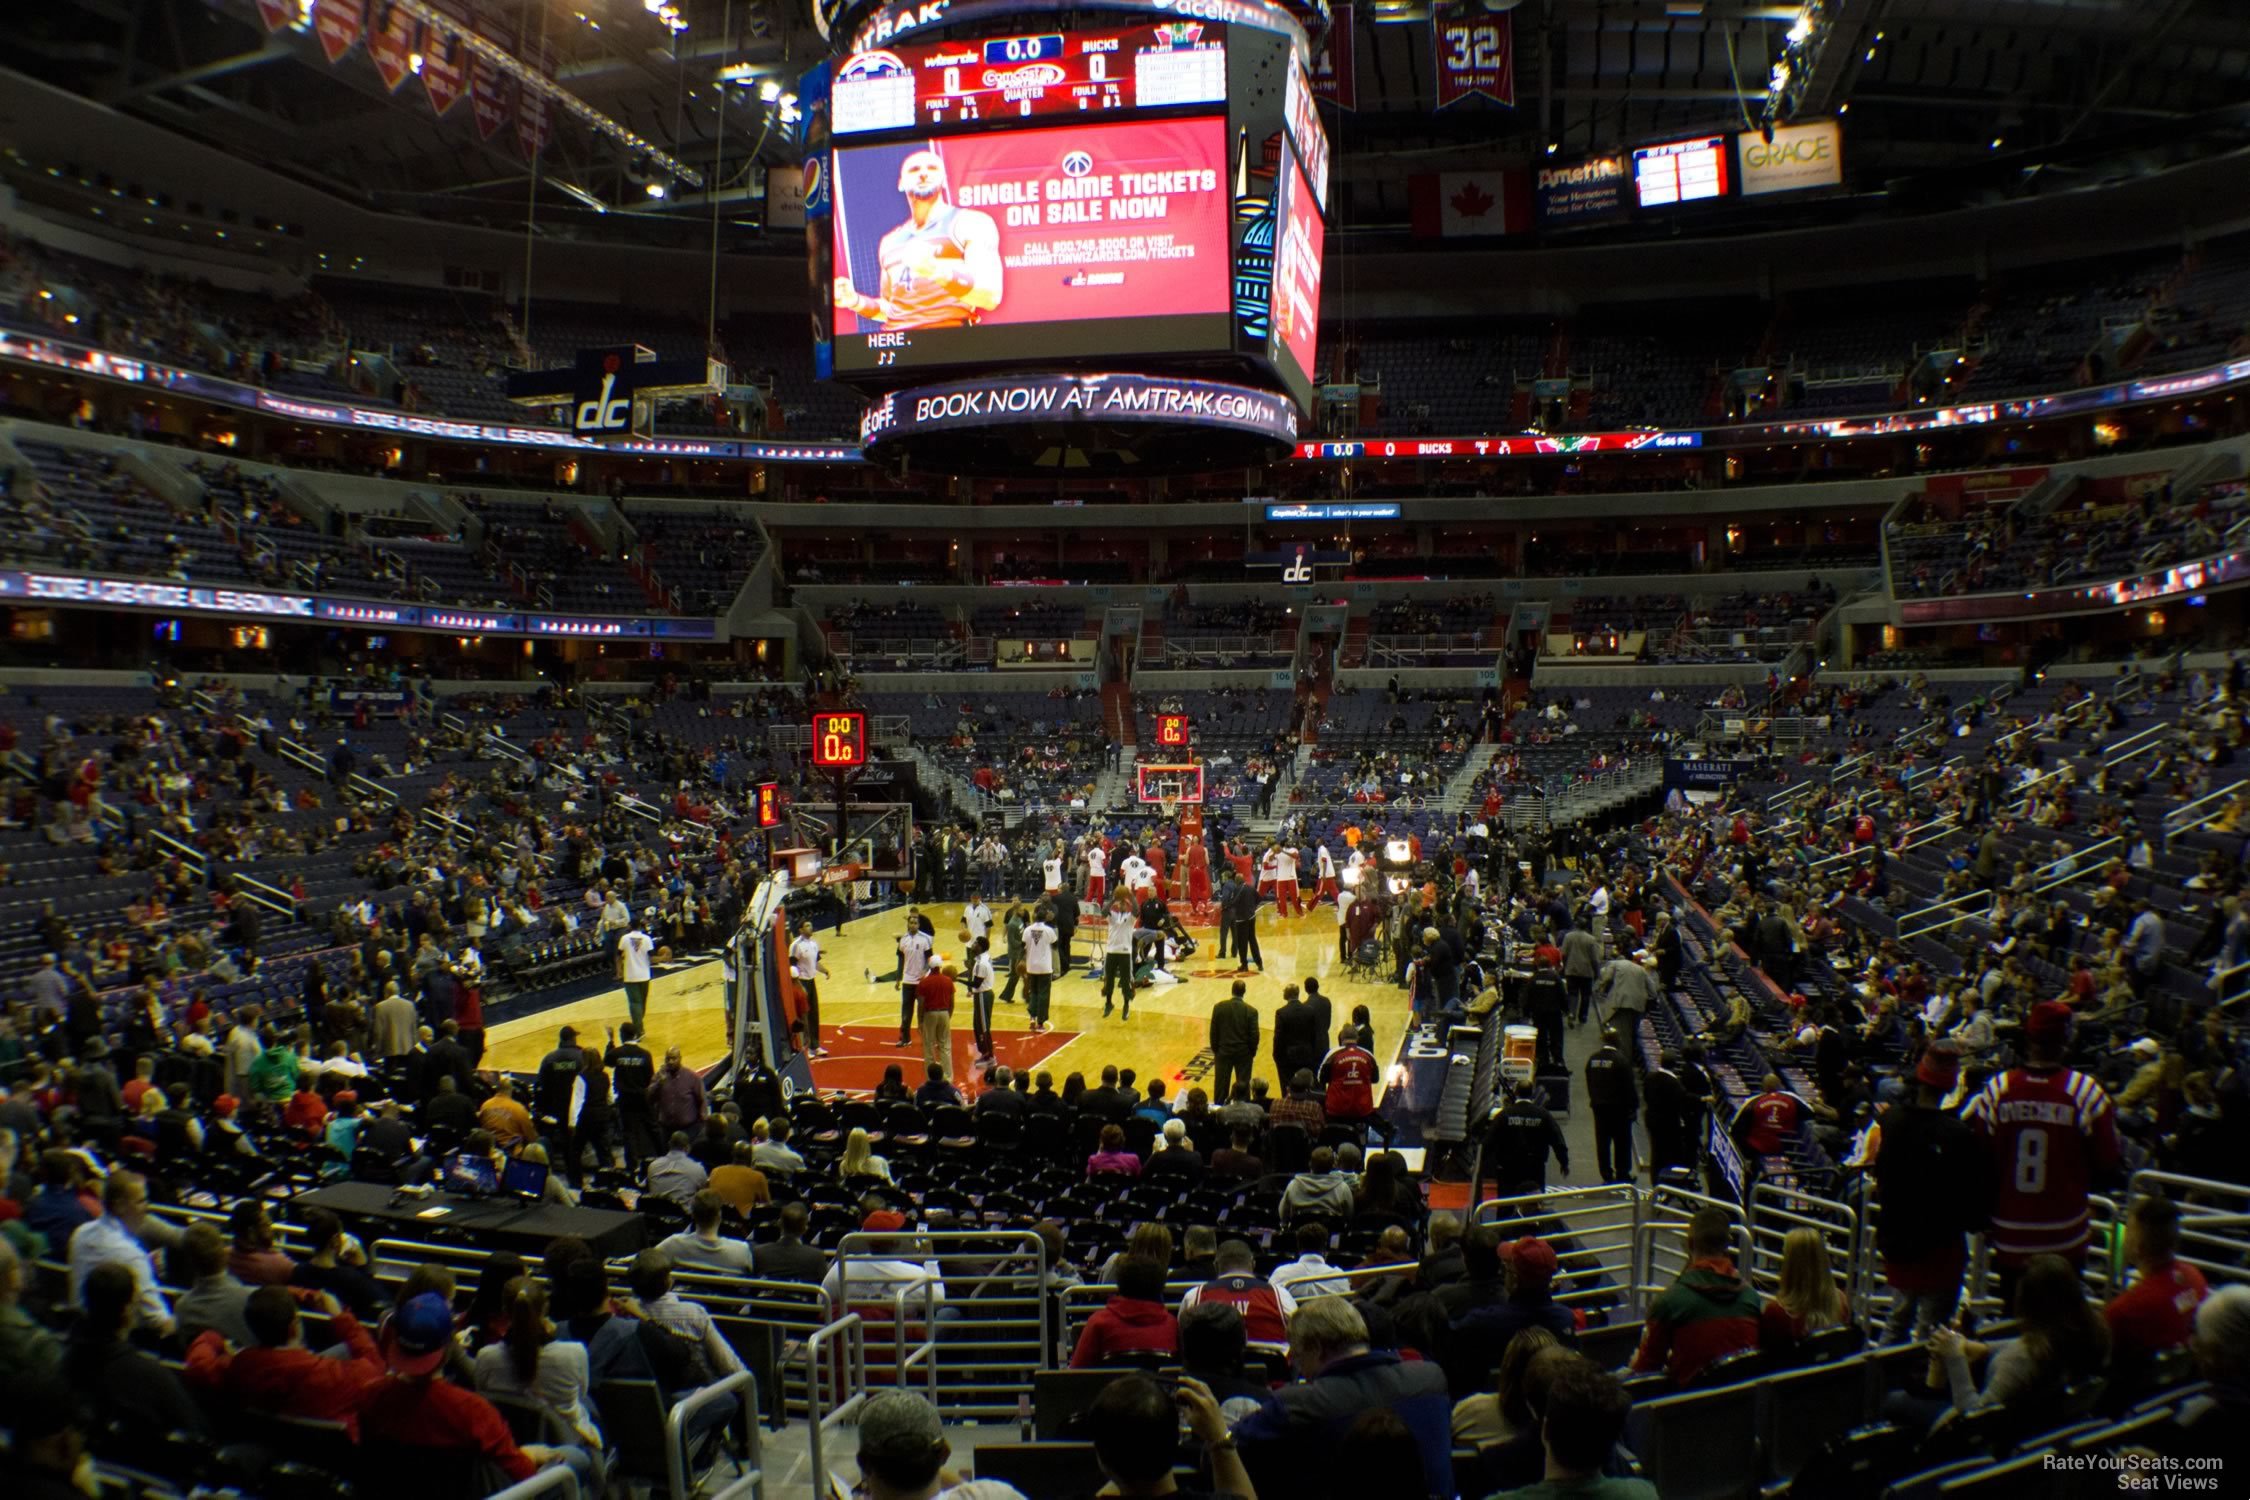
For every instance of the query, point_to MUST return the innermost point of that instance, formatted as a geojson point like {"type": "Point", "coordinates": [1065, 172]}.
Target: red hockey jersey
{"type": "Point", "coordinates": [2051, 1132]}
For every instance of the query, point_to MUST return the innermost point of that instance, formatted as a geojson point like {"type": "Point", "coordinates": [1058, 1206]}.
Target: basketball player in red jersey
{"type": "Point", "coordinates": [2052, 1132]}
{"type": "Point", "coordinates": [941, 267]}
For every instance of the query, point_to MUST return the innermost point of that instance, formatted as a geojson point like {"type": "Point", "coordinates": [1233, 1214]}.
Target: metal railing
{"type": "Point", "coordinates": [980, 1313]}
{"type": "Point", "coordinates": [2206, 809]}
{"type": "Point", "coordinates": [2138, 743]}
{"type": "Point", "coordinates": [741, 1389]}
{"type": "Point", "coordinates": [836, 1352]}
{"type": "Point", "coordinates": [556, 1479]}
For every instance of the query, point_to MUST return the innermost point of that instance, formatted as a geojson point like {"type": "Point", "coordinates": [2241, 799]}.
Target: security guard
{"type": "Point", "coordinates": [1547, 1000]}
{"type": "Point", "coordinates": [1516, 1142]}
{"type": "Point", "coordinates": [1614, 1097]}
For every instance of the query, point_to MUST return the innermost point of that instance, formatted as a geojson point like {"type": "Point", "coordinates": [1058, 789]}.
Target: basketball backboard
{"type": "Point", "coordinates": [1155, 784]}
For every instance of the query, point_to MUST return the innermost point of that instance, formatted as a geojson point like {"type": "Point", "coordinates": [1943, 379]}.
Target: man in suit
{"type": "Point", "coordinates": [1234, 1043]}
{"type": "Point", "coordinates": [1108, 1102]}
{"type": "Point", "coordinates": [1242, 911]}
{"type": "Point", "coordinates": [1298, 1040]}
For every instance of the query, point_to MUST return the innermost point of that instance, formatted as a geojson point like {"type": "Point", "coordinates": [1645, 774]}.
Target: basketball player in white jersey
{"type": "Point", "coordinates": [1097, 872]}
{"type": "Point", "coordinates": [1324, 866]}
{"type": "Point", "coordinates": [1285, 882]}
{"type": "Point", "coordinates": [1051, 870]}
{"type": "Point", "coordinates": [941, 266]}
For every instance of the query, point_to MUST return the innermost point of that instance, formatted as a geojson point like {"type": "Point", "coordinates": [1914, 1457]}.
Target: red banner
{"type": "Point", "coordinates": [1476, 54]}
{"type": "Point", "coordinates": [445, 66]}
{"type": "Point", "coordinates": [277, 14]}
{"type": "Point", "coordinates": [531, 122]}
{"type": "Point", "coordinates": [337, 23]}
{"type": "Point", "coordinates": [1333, 81]}
{"type": "Point", "coordinates": [488, 96]}
{"type": "Point", "coordinates": [391, 47]}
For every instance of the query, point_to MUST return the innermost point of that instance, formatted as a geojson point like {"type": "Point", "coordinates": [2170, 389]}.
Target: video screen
{"type": "Point", "coordinates": [940, 84]}
{"type": "Point", "coordinates": [1077, 241]}
{"type": "Point", "coordinates": [1301, 112]}
{"type": "Point", "coordinates": [1300, 237]}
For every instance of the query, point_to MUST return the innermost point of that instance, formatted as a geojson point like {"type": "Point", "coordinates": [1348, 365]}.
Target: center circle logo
{"type": "Point", "coordinates": [1077, 163]}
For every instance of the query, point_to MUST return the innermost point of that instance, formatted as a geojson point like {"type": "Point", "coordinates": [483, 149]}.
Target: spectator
{"type": "Point", "coordinates": [676, 1097]}
{"type": "Point", "coordinates": [1934, 1182]}
{"type": "Point", "coordinates": [1806, 1300]}
{"type": "Point", "coordinates": [59, 1207]}
{"type": "Point", "coordinates": [1213, 1342]}
{"type": "Point", "coordinates": [214, 1299]}
{"type": "Point", "coordinates": [509, 1122]}
{"type": "Point", "coordinates": [1319, 1191]}
{"type": "Point", "coordinates": [691, 1321]}
{"type": "Point", "coordinates": [789, 1257]}
{"type": "Point", "coordinates": [30, 1356]}
{"type": "Point", "coordinates": [532, 1364]}
{"type": "Point", "coordinates": [739, 1184]}
{"type": "Point", "coordinates": [114, 1239]}
{"type": "Point", "coordinates": [1176, 1158]}
{"type": "Point", "coordinates": [1113, 1155]}
{"type": "Point", "coordinates": [676, 1174]}
{"type": "Point", "coordinates": [2157, 1312]}
{"type": "Point", "coordinates": [1484, 1333]}
{"type": "Point", "coordinates": [1133, 1322]}
{"type": "Point", "coordinates": [1350, 1073]}
{"type": "Point", "coordinates": [1135, 1426]}
{"type": "Point", "coordinates": [2217, 1421]}
{"type": "Point", "coordinates": [1707, 1313]}
{"type": "Point", "coordinates": [414, 1409]}
{"type": "Point", "coordinates": [336, 1264]}
{"type": "Point", "coordinates": [1235, 1161]}
{"type": "Point", "coordinates": [1441, 1252]}
{"type": "Point", "coordinates": [774, 1154]}
{"type": "Point", "coordinates": [1265, 1309]}
{"type": "Point", "coordinates": [276, 1373]}
{"type": "Point", "coordinates": [1290, 1443]}
{"type": "Point", "coordinates": [105, 1368]}
{"type": "Point", "coordinates": [2061, 1342]}
{"type": "Point", "coordinates": [1503, 1414]}
{"type": "Point", "coordinates": [859, 1159]}
{"type": "Point", "coordinates": [254, 1261]}
{"type": "Point", "coordinates": [1301, 1106]}
{"type": "Point", "coordinates": [873, 1280]}
{"type": "Point", "coordinates": [1310, 1275]}
{"type": "Point", "coordinates": [902, 1454]}
{"type": "Point", "coordinates": [703, 1248]}
{"type": "Point", "coordinates": [1582, 1420]}
{"type": "Point", "coordinates": [937, 1090]}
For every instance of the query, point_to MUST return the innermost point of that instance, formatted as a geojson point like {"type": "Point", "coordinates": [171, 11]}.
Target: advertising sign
{"type": "Point", "coordinates": [1806, 155]}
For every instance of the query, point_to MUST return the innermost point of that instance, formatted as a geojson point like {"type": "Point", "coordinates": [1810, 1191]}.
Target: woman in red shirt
{"type": "Point", "coordinates": [1134, 1321]}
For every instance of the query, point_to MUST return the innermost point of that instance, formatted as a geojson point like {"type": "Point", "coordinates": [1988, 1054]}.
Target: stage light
{"type": "Point", "coordinates": [655, 190]}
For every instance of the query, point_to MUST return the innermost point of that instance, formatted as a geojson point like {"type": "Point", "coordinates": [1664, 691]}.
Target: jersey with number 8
{"type": "Point", "coordinates": [2052, 1132]}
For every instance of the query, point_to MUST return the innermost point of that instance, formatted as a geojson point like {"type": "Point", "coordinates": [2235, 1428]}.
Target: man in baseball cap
{"type": "Point", "coordinates": [1527, 1266]}
{"type": "Point", "coordinates": [418, 1410]}
{"type": "Point", "coordinates": [902, 1454]}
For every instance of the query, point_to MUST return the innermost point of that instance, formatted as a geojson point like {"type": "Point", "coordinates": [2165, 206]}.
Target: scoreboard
{"type": "Point", "coordinates": [936, 85]}
{"type": "Point", "coordinates": [1681, 171]}
{"type": "Point", "coordinates": [839, 741]}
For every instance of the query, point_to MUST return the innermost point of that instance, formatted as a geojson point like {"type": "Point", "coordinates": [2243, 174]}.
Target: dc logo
{"type": "Point", "coordinates": [1077, 163]}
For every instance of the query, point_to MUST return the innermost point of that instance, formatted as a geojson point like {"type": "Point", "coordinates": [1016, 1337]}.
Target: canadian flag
{"type": "Point", "coordinates": [1460, 205]}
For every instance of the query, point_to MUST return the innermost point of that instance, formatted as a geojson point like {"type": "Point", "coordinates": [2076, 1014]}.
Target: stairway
{"type": "Point", "coordinates": [1119, 721]}
{"type": "Point", "coordinates": [1462, 783]}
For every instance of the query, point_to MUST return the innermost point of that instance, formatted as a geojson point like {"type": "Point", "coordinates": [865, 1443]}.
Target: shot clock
{"type": "Point", "coordinates": [839, 741]}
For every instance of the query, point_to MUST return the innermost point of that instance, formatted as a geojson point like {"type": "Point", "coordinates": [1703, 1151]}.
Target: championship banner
{"type": "Point", "coordinates": [1476, 54]}
{"type": "Point", "coordinates": [337, 23]}
{"type": "Point", "coordinates": [277, 14]}
{"type": "Point", "coordinates": [390, 47]}
{"type": "Point", "coordinates": [1333, 80]}
{"type": "Point", "coordinates": [488, 96]}
{"type": "Point", "coordinates": [1461, 205]}
{"type": "Point", "coordinates": [445, 66]}
{"type": "Point", "coordinates": [531, 122]}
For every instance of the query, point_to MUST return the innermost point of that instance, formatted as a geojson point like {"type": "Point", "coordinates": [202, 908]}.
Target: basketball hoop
{"type": "Point", "coordinates": [1168, 807]}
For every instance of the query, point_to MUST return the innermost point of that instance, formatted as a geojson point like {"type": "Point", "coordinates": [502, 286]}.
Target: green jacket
{"type": "Point", "coordinates": [273, 1076]}
{"type": "Point", "coordinates": [29, 1353]}
{"type": "Point", "coordinates": [1710, 1311]}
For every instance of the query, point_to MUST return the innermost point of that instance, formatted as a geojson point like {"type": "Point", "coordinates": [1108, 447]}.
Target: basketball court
{"type": "Point", "coordinates": [1165, 1037]}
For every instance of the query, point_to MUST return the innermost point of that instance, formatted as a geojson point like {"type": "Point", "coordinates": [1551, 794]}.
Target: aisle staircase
{"type": "Point", "coordinates": [1460, 788]}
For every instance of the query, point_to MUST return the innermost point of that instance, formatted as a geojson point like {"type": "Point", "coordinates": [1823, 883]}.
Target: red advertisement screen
{"type": "Point", "coordinates": [1300, 237]}
{"type": "Point", "coordinates": [1078, 240]}
{"type": "Point", "coordinates": [987, 80]}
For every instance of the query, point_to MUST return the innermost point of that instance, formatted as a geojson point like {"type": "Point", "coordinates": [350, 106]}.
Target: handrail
{"type": "Point", "coordinates": [369, 788]}
{"type": "Point", "coordinates": [851, 1385]}
{"type": "Point", "coordinates": [676, 1476]}
{"type": "Point", "coordinates": [495, 740]}
{"type": "Point", "coordinates": [301, 755]}
{"type": "Point", "coordinates": [2179, 819]}
{"type": "Point", "coordinates": [558, 1477]}
{"type": "Point", "coordinates": [273, 898]}
{"type": "Point", "coordinates": [2151, 738]}
{"type": "Point", "coordinates": [187, 852]}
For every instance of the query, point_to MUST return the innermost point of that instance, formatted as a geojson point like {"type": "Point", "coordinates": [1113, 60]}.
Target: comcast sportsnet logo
{"type": "Point", "coordinates": [1038, 75]}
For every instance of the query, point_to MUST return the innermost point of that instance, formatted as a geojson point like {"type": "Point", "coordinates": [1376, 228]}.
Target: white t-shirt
{"type": "Point", "coordinates": [980, 977]}
{"type": "Point", "coordinates": [977, 918]}
{"type": "Point", "coordinates": [1344, 900]}
{"type": "Point", "coordinates": [1097, 862]}
{"type": "Point", "coordinates": [634, 948]}
{"type": "Point", "coordinates": [804, 957]}
{"type": "Point", "coordinates": [1139, 874]}
{"type": "Point", "coordinates": [1121, 926]}
{"type": "Point", "coordinates": [1285, 867]}
{"type": "Point", "coordinates": [1039, 949]}
{"type": "Point", "coordinates": [1051, 871]}
{"type": "Point", "coordinates": [913, 957]}
{"type": "Point", "coordinates": [1324, 862]}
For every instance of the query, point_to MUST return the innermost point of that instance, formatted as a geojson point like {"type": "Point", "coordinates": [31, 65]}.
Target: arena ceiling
{"type": "Point", "coordinates": [1954, 100]}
